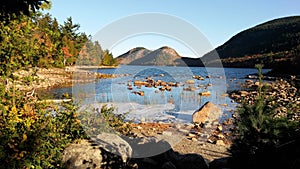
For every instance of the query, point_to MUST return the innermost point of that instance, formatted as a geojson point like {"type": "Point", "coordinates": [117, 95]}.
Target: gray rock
{"type": "Point", "coordinates": [114, 144]}
{"type": "Point", "coordinates": [82, 155]}
{"type": "Point", "coordinates": [167, 133]}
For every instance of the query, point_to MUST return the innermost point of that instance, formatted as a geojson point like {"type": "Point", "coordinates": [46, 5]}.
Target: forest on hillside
{"type": "Point", "coordinates": [33, 38]}
{"type": "Point", "coordinates": [275, 44]}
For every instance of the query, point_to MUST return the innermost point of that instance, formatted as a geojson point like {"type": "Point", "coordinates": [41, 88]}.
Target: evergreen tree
{"type": "Point", "coordinates": [72, 40]}
{"type": "Point", "coordinates": [107, 58]}
{"type": "Point", "coordinates": [48, 30]}
{"type": "Point", "coordinates": [263, 141]}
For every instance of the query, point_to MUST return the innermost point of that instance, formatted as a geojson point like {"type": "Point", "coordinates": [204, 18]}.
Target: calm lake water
{"type": "Point", "coordinates": [178, 104]}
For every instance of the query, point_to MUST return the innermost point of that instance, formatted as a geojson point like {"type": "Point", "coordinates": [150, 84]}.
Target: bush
{"type": "Point", "coordinates": [96, 121]}
{"type": "Point", "coordinates": [263, 141]}
{"type": "Point", "coordinates": [34, 135]}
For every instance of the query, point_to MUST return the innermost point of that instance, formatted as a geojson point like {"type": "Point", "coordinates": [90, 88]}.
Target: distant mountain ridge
{"type": "Point", "coordinates": [275, 43]}
{"type": "Point", "coordinates": [164, 56]}
{"type": "Point", "coordinates": [132, 55]}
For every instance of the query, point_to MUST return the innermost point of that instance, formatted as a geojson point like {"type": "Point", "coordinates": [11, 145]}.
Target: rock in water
{"type": "Point", "coordinates": [208, 109]}
{"type": "Point", "coordinates": [207, 93]}
{"type": "Point", "coordinates": [190, 82]}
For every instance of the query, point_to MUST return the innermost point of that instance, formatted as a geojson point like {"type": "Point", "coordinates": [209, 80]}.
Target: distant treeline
{"type": "Point", "coordinates": [38, 40]}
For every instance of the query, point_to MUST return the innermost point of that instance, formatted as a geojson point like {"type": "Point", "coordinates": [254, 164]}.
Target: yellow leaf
{"type": "Point", "coordinates": [6, 107]}
{"type": "Point", "coordinates": [27, 107]}
{"type": "Point", "coordinates": [24, 137]}
{"type": "Point", "coordinates": [14, 109]}
{"type": "Point", "coordinates": [21, 155]}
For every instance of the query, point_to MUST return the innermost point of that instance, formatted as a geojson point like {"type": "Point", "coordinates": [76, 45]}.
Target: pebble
{"type": "Point", "coordinates": [183, 130]}
{"type": "Point", "coordinates": [219, 128]}
{"type": "Point", "coordinates": [178, 126]}
{"type": "Point", "coordinates": [221, 136]}
{"type": "Point", "coordinates": [207, 93]}
{"type": "Point", "coordinates": [210, 141]}
{"type": "Point", "coordinates": [191, 135]}
{"type": "Point", "coordinates": [190, 82]}
{"type": "Point", "coordinates": [189, 126]}
{"type": "Point", "coordinates": [167, 133]}
{"type": "Point", "coordinates": [203, 135]}
{"type": "Point", "coordinates": [214, 123]}
{"type": "Point", "coordinates": [220, 143]}
{"type": "Point", "coordinates": [139, 127]}
{"type": "Point", "coordinates": [200, 85]}
{"type": "Point", "coordinates": [194, 139]}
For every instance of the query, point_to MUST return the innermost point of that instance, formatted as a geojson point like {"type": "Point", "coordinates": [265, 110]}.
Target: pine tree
{"type": "Point", "coordinates": [262, 140]}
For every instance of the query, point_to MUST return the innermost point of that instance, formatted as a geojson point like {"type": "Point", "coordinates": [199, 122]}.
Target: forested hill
{"type": "Point", "coordinates": [272, 43]}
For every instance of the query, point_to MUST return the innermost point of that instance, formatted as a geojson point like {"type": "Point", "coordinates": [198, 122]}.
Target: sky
{"type": "Point", "coordinates": [217, 20]}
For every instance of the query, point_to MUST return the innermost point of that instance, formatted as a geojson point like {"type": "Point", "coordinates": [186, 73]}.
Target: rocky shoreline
{"type": "Point", "coordinates": [283, 93]}
{"type": "Point", "coordinates": [195, 149]}
{"type": "Point", "coordinates": [45, 78]}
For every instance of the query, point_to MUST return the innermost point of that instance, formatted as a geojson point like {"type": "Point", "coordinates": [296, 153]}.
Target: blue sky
{"type": "Point", "coordinates": [217, 20]}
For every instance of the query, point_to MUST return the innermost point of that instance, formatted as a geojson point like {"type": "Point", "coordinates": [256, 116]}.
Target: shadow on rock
{"type": "Point", "coordinates": [113, 152]}
{"type": "Point", "coordinates": [158, 154]}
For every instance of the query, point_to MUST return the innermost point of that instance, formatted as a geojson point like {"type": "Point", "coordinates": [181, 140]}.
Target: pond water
{"type": "Point", "coordinates": [166, 106]}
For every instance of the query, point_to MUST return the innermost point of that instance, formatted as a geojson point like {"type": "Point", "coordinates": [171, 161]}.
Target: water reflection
{"type": "Point", "coordinates": [155, 104]}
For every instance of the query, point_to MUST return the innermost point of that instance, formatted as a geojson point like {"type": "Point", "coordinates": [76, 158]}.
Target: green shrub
{"type": "Point", "coordinates": [263, 141]}
{"type": "Point", "coordinates": [96, 121]}
{"type": "Point", "coordinates": [34, 135]}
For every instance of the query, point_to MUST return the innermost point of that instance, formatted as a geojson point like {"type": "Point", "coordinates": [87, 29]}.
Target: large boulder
{"type": "Point", "coordinates": [82, 155]}
{"type": "Point", "coordinates": [106, 150]}
{"type": "Point", "coordinates": [115, 144]}
{"type": "Point", "coordinates": [208, 111]}
{"type": "Point", "coordinates": [110, 151]}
